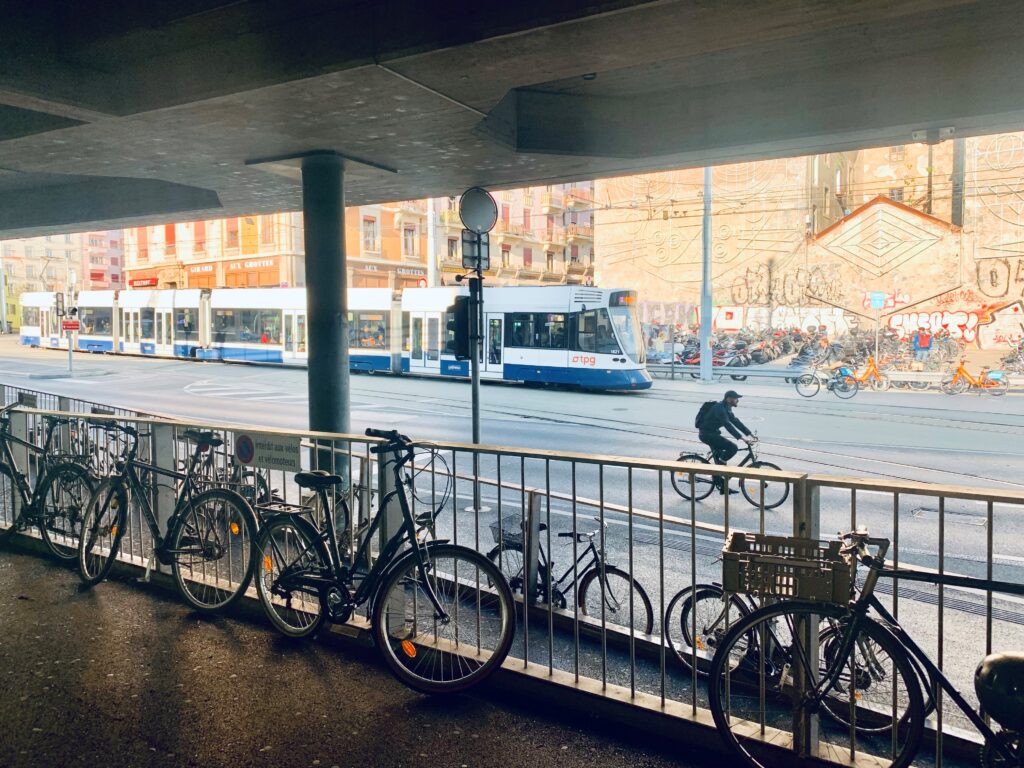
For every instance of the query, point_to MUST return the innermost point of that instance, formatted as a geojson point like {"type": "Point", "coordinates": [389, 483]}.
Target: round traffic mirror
{"type": "Point", "coordinates": [478, 210]}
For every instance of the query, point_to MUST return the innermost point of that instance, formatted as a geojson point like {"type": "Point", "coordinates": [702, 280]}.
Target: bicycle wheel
{"type": "Point", "coordinates": [997, 387]}
{"type": "Point", "coordinates": [705, 606]}
{"type": "Point", "coordinates": [64, 494]}
{"type": "Point", "coordinates": [918, 385]}
{"type": "Point", "coordinates": [845, 387]}
{"type": "Point", "coordinates": [879, 383]}
{"type": "Point", "coordinates": [103, 526]}
{"type": "Point", "coordinates": [772, 492]}
{"type": "Point", "coordinates": [951, 386]}
{"type": "Point", "coordinates": [213, 545]}
{"type": "Point", "coordinates": [755, 679]}
{"type": "Point", "coordinates": [703, 484]}
{"type": "Point", "coordinates": [808, 385]}
{"type": "Point", "coordinates": [444, 655]}
{"type": "Point", "coordinates": [615, 598]}
{"type": "Point", "coordinates": [10, 503]}
{"type": "Point", "coordinates": [291, 554]}
{"type": "Point", "coordinates": [510, 561]}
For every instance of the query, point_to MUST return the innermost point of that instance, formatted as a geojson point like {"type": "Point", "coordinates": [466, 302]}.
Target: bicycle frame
{"type": "Point", "coordinates": [342, 574]}
{"type": "Point", "coordinates": [981, 382]}
{"type": "Point", "coordinates": [27, 492]}
{"type": "Point", "coordinates": [867, 600]}
{"type": "Point", "coordinates": [595, 562]}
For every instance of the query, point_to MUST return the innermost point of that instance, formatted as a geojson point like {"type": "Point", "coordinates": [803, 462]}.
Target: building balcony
{"type": "Point", "coordinates": [411, 212]}
{"type": "Point", "coordinates": [579, 233]}
{"type": "Point", "coordinates": [553, 239]}
{"type": "Point", "coordinates": [577, 198]}
{"type": "Point", "coordinates": [506, 232]}
{"type": "Point", "coordinates": [552, 202]}
{"type": "Point", "coordinates": [450, 219]}
{"type": "Point", "coordinates": [529, 273]}
{"type": "Point", "coordinates": [577, 267]}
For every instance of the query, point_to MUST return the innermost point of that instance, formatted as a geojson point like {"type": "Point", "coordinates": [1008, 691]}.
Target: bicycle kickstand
{"type": "Point", "coordinates": [144, 578]}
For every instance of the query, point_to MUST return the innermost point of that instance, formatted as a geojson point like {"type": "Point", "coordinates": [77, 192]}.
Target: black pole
{"type": "Point", "coordinates": [323, 210]}
{"type": "Point", "coordinates": [959, 156]}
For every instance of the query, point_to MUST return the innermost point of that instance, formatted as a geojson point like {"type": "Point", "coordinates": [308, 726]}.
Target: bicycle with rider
{"type": "Point", "coordinates": [720, 416]}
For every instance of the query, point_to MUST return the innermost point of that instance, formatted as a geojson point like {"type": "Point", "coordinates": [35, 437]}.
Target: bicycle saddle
{"type": "Point", "coordinates": [202, 438]}
{"type": "Point", "coordinates": [999, 683]}
{"type": "Point", "coordinates": [318, 478]}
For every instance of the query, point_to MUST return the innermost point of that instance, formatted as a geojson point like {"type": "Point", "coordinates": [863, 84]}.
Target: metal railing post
{"type": "Point", "coordinates": [806, 525]}
{"type": "Point", "coordinates": [532, 532]}
{"type": "Point", "coordinates": [392, 519]}
{"type": "Point", "coordinates": [164, 498]}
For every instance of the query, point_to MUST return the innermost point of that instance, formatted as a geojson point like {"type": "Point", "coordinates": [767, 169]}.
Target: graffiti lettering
{"type": "Point", "coordinates": [894, 299]}
{"type": "Point", "coordinates": [961, 325]}
{"type": "Point", "coordinates": [761, 286]}
{"type": "Point", "coordinates": [999, 278]}
{"type": "Point", "coordinates": [966, 296]}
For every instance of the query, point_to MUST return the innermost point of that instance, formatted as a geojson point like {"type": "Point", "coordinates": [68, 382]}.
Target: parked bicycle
{"type": "Point", "coordinates": [55, 502]}
{"type": "Point", "coordinates": [697, 619]}
{"type": "Point", "coordinates": [442, 615]}
{"type": "Point", "coordinates": [602, 591]}
{"type": "Point", "coordinates": [840, 381]}
{"type": "Point", "coordinates": [993, 382]}
{"type": "Point", "coordinates": [698, 485]}
{"type": "Point", "coordinates": [872, 376]}
{"type": "Point", "coordinates": [765, 685]}
{"type": "Point", "coordinates": [210, 543]}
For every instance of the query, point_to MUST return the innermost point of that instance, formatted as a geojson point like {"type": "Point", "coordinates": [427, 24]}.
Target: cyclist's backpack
{"type": "Point", "coordinates": [705, 409]}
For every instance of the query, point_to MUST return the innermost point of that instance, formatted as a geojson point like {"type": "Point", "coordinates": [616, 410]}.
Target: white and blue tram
{"type": "Point", "coordinates": [570, 335]}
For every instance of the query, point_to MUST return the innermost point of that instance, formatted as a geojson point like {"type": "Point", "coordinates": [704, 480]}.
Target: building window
{"type": "Point", "coordinates": [527, 220]}
{"type": "Point", "coordinates": [231, 233]}
{"type": "Point", "coordinates": [453, 249]}
{"type": "Point", "coordinates": [199, 229]}
{"type": "Point", "coordinates": [574, 253]}
{"type": "Point", "coordinates": [49, 238]}
{"type": "Point", "coordinates": [267, 230]}
{"type": "Point", "coordinates": [369, 234]}
{"type": "Point", "coordinates": [67, 238]}
{"type": "Point", "coordinates": [528, 257]}
{"type": "Point", "coordinates": [114, 261]}
{"type": "Point", "coordinates": [30, 271]}
{"type": "Point", "coordinates": [51, 273]}
{"type": "Point", "coordinates": [28, 251]}
{"type": "Point", "coordinates": [896, 194]}
{"type": "Point", "coordinates": [143, 234]}
{"type": "Point", "coordinates": [550, 258]}
{"type": "Point", "coordinates": [49, 253]}
{"type": "Point", "coordinates": [409, 241]}
{"type": "Point", "coordinates": [898, 153]}
{"type": "Point", "coordinates": [505, 214]}
{"type": "Point", "coordinates": [506, 255]}
{"type": "Point", "coordinates": [8, 250]}
{"type": "Point", "coordinates": [170, 239]}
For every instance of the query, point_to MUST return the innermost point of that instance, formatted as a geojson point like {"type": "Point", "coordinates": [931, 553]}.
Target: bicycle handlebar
{"type": "Point", "coordinates": [395, 441]}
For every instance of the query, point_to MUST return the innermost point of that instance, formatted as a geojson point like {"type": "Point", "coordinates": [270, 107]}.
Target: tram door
{"type": "Point", "coordinates": [494, 344]}
{"type": "Point", "coordinates": [48, 334]}
{"type": "Point", "coordinates": [164, 332]}
{"type": "Point", "coordinates": [294, 334]}
{"type": "Point", "coordinates": [425, 341]}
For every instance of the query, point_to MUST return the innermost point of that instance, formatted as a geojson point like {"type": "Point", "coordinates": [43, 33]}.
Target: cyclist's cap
{"type": "Point", "coordinates": [732, 393]}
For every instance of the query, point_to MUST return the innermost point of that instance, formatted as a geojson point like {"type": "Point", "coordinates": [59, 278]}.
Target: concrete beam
{"type": "Point", "coordinates": [973, 89]}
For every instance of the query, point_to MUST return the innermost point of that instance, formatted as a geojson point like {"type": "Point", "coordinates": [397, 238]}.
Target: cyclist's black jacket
{"type": "Point", "coordinates": [719, 416]}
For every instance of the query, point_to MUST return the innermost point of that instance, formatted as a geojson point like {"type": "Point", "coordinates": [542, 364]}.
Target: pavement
{"type": "Point", "coordinates": [128, 676]}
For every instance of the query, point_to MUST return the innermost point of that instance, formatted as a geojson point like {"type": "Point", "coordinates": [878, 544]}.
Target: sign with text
{"type": "Point", "coordinates": [70, 325]}
{"type": "Point", "coordinates": [268, 451]}
{"type": "Point", "coordinates": [878, 299]}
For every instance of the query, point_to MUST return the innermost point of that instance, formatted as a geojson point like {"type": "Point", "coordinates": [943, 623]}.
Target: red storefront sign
{"type": "Point", "coordinates": [143, 282]}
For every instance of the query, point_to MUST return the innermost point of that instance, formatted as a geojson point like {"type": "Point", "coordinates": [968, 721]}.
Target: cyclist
{"type": "Point", "coordinates": [709, 428]}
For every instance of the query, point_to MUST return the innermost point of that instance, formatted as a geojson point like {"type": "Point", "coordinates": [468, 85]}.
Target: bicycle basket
{"type": "Point", "coordinates": [996, 375]}
{"type": "Point", "coordinates": [508, 531]}
{"type": "Point", "coordinates": [780, 566]}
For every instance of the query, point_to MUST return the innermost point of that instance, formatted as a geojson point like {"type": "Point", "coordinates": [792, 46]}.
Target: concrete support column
{"type": "Point", "coordinates": [323, 210]}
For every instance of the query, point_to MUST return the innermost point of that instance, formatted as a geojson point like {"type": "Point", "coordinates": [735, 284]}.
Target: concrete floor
{"type": "Point", "coordinates": [126, 676]}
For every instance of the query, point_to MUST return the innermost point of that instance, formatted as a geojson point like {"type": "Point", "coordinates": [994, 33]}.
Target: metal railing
{"type": "Point", "coordinates": [605, 641]}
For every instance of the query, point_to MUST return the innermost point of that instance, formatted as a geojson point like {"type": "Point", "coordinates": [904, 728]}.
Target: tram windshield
{"type": "Point", "coordinates": [626, 321]}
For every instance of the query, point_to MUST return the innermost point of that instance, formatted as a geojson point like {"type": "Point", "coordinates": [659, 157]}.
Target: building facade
{"type": "Point", "coordinates": [102, 260]}
{"type": "Point", "coordinates": [543, 236]}
{"type": "Point", "coordinates": [938, 230]}
{"type": "Point", "coordinates": [51, 263]}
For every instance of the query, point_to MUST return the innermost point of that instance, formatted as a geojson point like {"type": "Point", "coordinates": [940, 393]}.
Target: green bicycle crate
{"type": "Point", "coordinates": [784, 567]}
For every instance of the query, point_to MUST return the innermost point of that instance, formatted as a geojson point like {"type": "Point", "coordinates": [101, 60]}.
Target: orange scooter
{"type": "Point", "coordinates": [993, 382]}
{"type": "Point", "coordinates": [872, 377]}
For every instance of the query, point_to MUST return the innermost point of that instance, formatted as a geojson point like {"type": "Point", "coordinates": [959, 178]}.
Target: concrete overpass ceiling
{"type": "Point", "coordinates": [163, 105]}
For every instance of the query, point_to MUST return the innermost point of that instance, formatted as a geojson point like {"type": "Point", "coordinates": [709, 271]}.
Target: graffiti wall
{"type": "Point", "coordinates": [812, 240]}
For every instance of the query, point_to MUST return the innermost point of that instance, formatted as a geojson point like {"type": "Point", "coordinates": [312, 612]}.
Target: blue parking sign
{"type": "Point", "coordinates": [878, 299]}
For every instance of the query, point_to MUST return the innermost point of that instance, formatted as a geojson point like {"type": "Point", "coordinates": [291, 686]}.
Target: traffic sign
{"type": "Point", "coordinates": [878, 299]}
{"type": "Point", "coordinates": [478, 210]}
{"type": "Point", "coordinates": [70, 325]}
{"type": "Point", "coordinates": [476, 250]}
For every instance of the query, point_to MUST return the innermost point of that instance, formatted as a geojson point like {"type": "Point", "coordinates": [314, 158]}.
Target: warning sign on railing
{"type": "Point", "coordinates": [268, 451]}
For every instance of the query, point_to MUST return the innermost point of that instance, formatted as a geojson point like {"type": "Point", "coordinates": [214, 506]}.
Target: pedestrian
{"type": "Point", "coordinates": [922, 341]}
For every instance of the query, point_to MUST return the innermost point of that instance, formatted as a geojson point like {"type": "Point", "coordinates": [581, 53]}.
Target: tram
{"type": "Point", "coordinates": [569, 335]}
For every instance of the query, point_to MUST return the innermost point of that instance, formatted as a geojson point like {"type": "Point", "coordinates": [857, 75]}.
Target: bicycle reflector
{"type": "Point", "coordinates": [268, 565]}
{"type": "Point", "coordinates": [234, 528]}
{"type": "Point", "coordinates": [409, 648]}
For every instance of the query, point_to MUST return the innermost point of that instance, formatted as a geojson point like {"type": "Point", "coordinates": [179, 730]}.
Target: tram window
{"type": "Point", "coordinates": [537, 330]}
{"type": "Point", "coordinates": [595, 333]}
{"type": "Point", "coordinates": [368, 330]}
{"type": "Point", "coordinates": [147, 323]}
{"type": "Point", "coordinates": [185, 325]}
{"type": "Point", "coordinates": [405, 332]}
{"type": "Point", "coordinates": [96, 321]}
{"type": "Point", "coordinates": [30, 316]}
{"type": "Point", "coordinates": [248, 326]}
